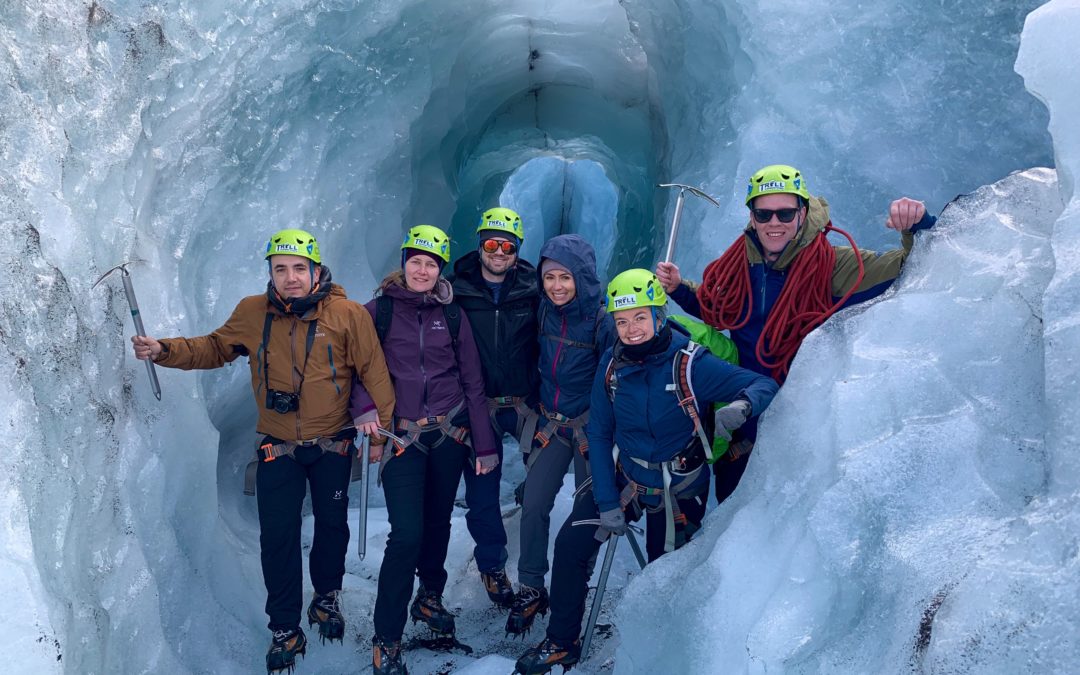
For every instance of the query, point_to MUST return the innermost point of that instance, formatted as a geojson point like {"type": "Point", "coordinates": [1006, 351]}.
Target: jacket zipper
{"type": "Point", "coordinates": [555, 363]}
{"type": "Point", "coordinates": [496, 332]}
{"type": "Point", "coordinates": [292, 375]}
{"type": "Point", "coordinates": [423, 371]}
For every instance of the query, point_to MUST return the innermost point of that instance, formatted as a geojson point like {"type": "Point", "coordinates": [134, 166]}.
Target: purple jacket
{"type": "Point", "coordinates": [428, 379]}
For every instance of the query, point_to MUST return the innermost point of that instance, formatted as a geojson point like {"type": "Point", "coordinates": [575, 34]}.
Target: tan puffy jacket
{"type": "Point", "coordinates": [344, 342]}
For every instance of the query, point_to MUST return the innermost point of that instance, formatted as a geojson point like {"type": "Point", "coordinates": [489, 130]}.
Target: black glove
{"type": "Point", "coordinates": [612, 522]}
{"type": "Point", "coordinates": [731, 417]}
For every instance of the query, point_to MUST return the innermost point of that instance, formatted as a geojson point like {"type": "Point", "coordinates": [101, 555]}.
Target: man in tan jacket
{"type": "Point", "coordinates": [304, 341]}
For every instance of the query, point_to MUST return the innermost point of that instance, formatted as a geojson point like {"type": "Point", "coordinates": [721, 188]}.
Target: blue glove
{"type": "Point", "coordinates": [731, 417]}
{"type": "Point", "coordinates": [612, 522]}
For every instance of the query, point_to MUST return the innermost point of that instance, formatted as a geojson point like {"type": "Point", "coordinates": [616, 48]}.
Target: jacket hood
{"type": "Point", "coordinates": [394, 286]}
{"type": "Point", "coordinates": [574, 253]}
{"type": "Point", "coordinates": [817, 217]}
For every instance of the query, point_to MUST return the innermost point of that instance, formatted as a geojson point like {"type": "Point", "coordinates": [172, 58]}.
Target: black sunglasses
{"type": "Point", "coordinates": [783, 215]}
{"type": "Point", "coordinates": [492, 245]}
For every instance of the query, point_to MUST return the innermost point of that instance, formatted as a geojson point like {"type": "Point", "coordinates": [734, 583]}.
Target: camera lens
{"type": "Point", "coordinates": [281, 404]}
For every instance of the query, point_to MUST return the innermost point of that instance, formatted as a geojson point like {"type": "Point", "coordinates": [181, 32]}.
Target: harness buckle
{"type": "Point", "coordinates": [268, 452]}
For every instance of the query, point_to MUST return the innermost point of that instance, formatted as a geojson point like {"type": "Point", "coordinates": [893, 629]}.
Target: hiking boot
{"type": "Point", "coordinates": [498, 588]}
{"type": "Point", "coordinates": [325, 610]}
{"type": "Point", "coordinates": [284, 648]}
{"type": "Point", "coordinates": [428, 607]}
{"type": "Point", "coordinates": [386, 657]}
{"type": "Point", "coordinates": [528, 603]}
{"type": "Point", "coordinates": [545, 656]}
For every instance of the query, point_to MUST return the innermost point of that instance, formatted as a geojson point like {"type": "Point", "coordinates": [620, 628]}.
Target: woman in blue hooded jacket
{"type": "Point", "coordinates": [574, 332]}
{"type": "Point", "coordinates": [660, 472]}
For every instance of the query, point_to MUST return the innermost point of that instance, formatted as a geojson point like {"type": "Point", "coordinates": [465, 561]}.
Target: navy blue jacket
{"type": "Point", "coordinates": [572, 337]}
{"type": "Point", "coordinates": [645, 419]}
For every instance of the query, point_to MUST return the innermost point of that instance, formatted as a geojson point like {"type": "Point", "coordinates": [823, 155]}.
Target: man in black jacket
{"type": "Point", "coordinates": [498, 292]}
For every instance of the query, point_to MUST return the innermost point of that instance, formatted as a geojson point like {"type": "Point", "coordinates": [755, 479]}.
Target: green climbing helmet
{"type": "Point", "coordinates": [776, 179]}
{"type": "Point", "coordinates": [429, 239]}
{"type": "Point", "coordinates": [502, 219]}
{"type": "Point", "coordinates": [633, 289]}
{"type": "Point", "coordinates": [294, 242]}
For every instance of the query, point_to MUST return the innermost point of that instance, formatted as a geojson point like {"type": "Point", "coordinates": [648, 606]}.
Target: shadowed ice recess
{"type": "Point", "coordinates": [913, 502]}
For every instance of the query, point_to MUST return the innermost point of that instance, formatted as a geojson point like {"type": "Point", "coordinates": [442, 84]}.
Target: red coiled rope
{"type": "Point", "coordinates": [804, 303]}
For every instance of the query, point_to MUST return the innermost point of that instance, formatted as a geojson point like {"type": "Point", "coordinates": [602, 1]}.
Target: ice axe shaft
{"type": "Point", "coordinates": [365, 445]}
{"type": "Point", "coordinates": [129, 291]}
{"type": "Point", "coordinates": [683, 189]}
{"type": "Point", "coordinates": [635, 546]}
{"type": "Point", "coordinates": [594, 613]}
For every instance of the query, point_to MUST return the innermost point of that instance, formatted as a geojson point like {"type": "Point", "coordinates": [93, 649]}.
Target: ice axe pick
{"type": "Point", "coordinates": [129, 291]}
{"type": "Point", "coordinates": [683, 189]}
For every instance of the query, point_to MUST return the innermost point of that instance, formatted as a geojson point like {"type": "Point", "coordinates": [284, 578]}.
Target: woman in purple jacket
{"type": "Point", "coordinates": [435, 367]}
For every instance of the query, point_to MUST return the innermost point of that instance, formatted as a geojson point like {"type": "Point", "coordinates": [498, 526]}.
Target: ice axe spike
{"type": "Point", "coordinates": [129, 291]}
{"type": "Point", "coordinates": [683, 189]}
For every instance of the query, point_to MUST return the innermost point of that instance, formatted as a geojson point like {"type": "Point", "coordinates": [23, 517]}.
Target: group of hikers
{"type": "Point", "coordinates": [442, 364]}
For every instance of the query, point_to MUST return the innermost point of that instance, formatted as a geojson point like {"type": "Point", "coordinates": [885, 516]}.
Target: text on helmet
{"type": "Point", "coordinates": [624, 301]}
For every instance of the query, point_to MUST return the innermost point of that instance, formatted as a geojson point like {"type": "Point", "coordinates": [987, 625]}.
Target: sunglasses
{"type": "Point", "coordinates": [492, 245]}
{"type": "Point", "coordinates": [783, 215]}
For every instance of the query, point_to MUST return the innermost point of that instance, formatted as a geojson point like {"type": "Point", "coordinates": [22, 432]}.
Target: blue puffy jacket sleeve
{"type": "Point", "coordinates": [717, 380]}
{"type": "Point", "coordinates": [601, 432]}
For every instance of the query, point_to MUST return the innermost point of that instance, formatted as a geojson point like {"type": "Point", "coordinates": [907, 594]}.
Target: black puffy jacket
{"type": "Point", "coordinates": [505, 332]}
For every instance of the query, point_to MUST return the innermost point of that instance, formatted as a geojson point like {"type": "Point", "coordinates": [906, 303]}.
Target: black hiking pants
{"type": "Point", "coordinates": [728, 473]}
{"type": "Point", "coordinates": [484, 517]}
{"type": "Point", "coordinates": [576, 549]}
{"type": "Point", "coordinates": [420, 489]}
{"type": "Point", "coordinates": [280, 488]}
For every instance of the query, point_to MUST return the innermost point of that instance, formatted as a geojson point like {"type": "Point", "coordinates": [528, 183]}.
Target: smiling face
{"type": "Point", "coordinates": [497, 264]}
{"type": "Point", "coordinates": [559, 286]}
{"type": "Point", "coordinates": [421, 273]}
{"type": "Point", "coordinates": [292, 275]}
{"type": "Point", "coordinates": [634, 326]}
{"type": "Point", "coordinates": [773, 234]}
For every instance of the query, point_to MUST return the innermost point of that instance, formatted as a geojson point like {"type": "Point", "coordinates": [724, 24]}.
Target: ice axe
{"type": "Point", "coordinates": [594, 613]}
{"type": "Point", "coordinates": [634, 545]}
{"type": "Point", "coordinates": [683, 189]}
{"type": "Point", "coordinates": [129, 291]}
{"type": "Point", "coordinates": [361, 545]}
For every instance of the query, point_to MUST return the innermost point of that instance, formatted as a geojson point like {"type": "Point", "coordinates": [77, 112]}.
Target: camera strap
{"type": "Point", "coordinates": [307, 352]}
{"type": "Point", "coordinates": [309, 342]}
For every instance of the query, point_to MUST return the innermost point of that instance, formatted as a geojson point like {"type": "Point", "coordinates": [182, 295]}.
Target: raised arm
{"type": "Point", "coordinates": [682, 292]}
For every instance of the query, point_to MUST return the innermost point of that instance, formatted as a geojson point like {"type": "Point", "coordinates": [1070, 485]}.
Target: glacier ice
{"type": "Point", "coordinates": [180, 133]}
